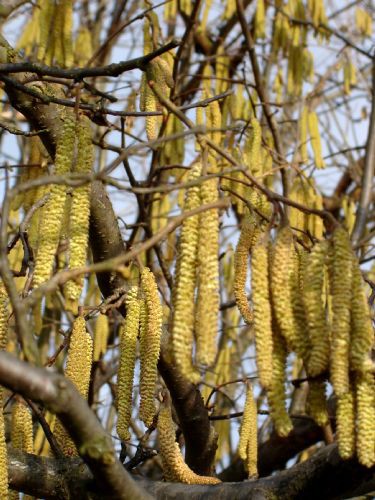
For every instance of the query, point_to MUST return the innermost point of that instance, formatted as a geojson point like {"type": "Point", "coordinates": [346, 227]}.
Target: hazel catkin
{"type": "Point", "coordinates": [78, 370]}
{"type": "Point", "coordinates": [318, 328]}
{"type": "Point", "coordinates": [128, 343]}
{"type": "Point", "coordinates": [150, 346]}
{"type": "Point", "coordinates": [345, 424]}
{"type": "Point", "coordinates": [262, 313]}
{"type": "Point", "coordinates": [207, 307]}
{"type": "Point", "coordinates": [80, 211]}
{"type": "Point", "coordinates": [175, 469]}
{"type": "Point", "coordinates": [365, 405]}
{"type": "Point", "coordinates": [183, 299]}
{"type": "Point", "coordinates": [50, 224]}
{"type": "Point", "coordinates": [341, 291]}
{"type": "Point", "coordinates": [248, 444]}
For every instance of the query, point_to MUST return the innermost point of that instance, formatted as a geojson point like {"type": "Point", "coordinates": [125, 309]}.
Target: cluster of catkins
{"type": "Point", "coordinates": [196, 294]}
{"type": "Point", "coordinates": [312, 303]}
{"type": "Point", "coordinates": [143, 321]}
{"type": "Point", "coordinates": [64, 215]}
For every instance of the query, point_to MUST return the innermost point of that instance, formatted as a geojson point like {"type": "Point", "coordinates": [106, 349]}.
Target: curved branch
{"type": "Point", "coordinates": [61, 397]}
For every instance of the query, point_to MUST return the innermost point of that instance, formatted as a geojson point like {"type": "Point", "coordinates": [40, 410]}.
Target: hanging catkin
{"type": "Point", "coordinates": [3, 452]}
{"type": "Point", "coordinates": [280, 286]}
{"type": "Point", "coordinates": [183, 300]}
{"type": "Point", "coordinates": [80, 212]}
{"type": "Point", "coordinates": [247, 239]}
{"type": "Point", "coordinates": [316, 403]}
{"type": "Point", "coordinates": [362, 334]}
{"type": "Point", "coordinates": [3, 316]}
{"type": "Point", "coordinates": [51, 222]}
{"type": "Point", "coordinates": [345, 424]}
{"type": "Point", "coordinates": [248, 444]}
{"type": "Point", "coordinates": [341, 291]}
{"type": "Point", "coordinates": [207, 308]}
{"type": "Point", "coordinates": [21, 435]}
{"type": "Point", "coordinates": [101, 334]}
{"type": "Point", "coordinates": [365, 403]}
{"type": "Point", "coordinates": [262, 313]}
{"type": "Point", "coordinates": [128, 343]}
{"type": "Point", "coordinates": [318, 328]}
{"type": "Point", "coordinates": [276, 393]}
{"type": "Point", "coordinates": [150, 346]}
{"type": "Point", "coordinates": [175, 469]}
{"type": "Point", "coordinates": [78, 370]}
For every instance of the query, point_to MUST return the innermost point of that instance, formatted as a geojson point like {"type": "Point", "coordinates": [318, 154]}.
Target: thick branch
{"type": "Point", "coordinates": [61, 397]}
{"type": "Point", "coordinates": [323, 476]}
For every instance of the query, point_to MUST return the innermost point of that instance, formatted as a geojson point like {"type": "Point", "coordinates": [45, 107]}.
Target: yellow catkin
{"type": "Point", "coordinates": [150, 346]}
{"type": "Point", "coordinates": [262, 313]}
{"type": "Point", "coordinates": [316, 402]}
{"type": "Point", "coordinates": [365, 402]}
{"type": "Point", "coordinates": [128, 343]}
{"type": "Point", "coordinates": [313, 125]}
{"type": "Point", "coordinates": [315, 310]}
{"type": "Point", "coordinates": [4, 315]}
{"type": "Point", "coordinates": [159, 71]}
{"type": "Point", "coordinates": [362, 333]}
{"type": "Point", "coordinates": [22, 428]}
{"type": "Point", "coordinates": [175, 469]}
{"type": "Point", "coordinates": [280, 289]}
{"type": "Point", "coordinates": [345, 424]}
{"type": "Point", "coordinates": [3, 452]}
{"type": "Point", "coordinates": [80, 210]}
{"type": "Point", "coordinates": [303, 126]}
{"type": "Point", "coordinates": [83, 46]}
{"type": "Point", "coordinates": [21, 435]}
{"type": "Point", "coordinates": [302, 340]}
{"type": "Point", "coordinates": [51, 222]}
{"type": "Point", "coordinates": [78, 370]}
{"type": "Point", "coordinates": [276, 393]}
{"type": "Point", "coordinates": [207, 308]}
{"type": "Point", "coordinates": [100, 337]}
{"type": "Point", "coordinates": [183, 300]}
{"type": "Point", "coordinates": [260, 20]}
{"type": "Point", "coordinates": [248, 444]}
{"type": "Point", "coordinates": [341, 291]}
{"type": "Point", "coordinates": [247, 238]}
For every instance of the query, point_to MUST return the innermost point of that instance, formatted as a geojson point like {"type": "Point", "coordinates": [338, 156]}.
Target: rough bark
{"type": "Point", "coordinates": [324, 476]}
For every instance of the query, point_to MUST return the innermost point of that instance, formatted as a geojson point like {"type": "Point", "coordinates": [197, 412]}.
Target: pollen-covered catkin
{"type": "Point", "coordinates": [316, 403]}
{"type": "Point", "coordinates": [276, 393]}
{"type": "Point", "coordinates": [365, 403]}
{"type": "Point", "coordinates": [100, 337]}
{"type": "Point", "coordinates": [280, 286]}
{"type": "Point", "coordinates": [313, 125]}
{"type": "Point", "coordinates": [3, 316]}
{"type": "Point", "coordinates": [78, 370]}
{"type": "Point", "coordinates": [248, 444]}
{"type": "Point", "coordinates": [50, 225]}
{"type": "Point", "coordinates": [22, 428]}
{"type": "Point", "coordinates": [362, 333]}
{"type": "Point", "coordinates": [245, 243]}
{"type": "Point", "coordinates": [150, 346]}
{"type": "Point", "coordinates": [80, 210]}
{"type": "Point", "coordinates": [341, 291]}
{"type": "Point", "coordinates": [318, 328]}
{"type": "Point", "coordinates": [3, 452]}
{"type": "Point", "coordinates": [175, 469]}
{"type": "Point", "coordinates": [185, 281]}
{"type": "Point", "coordinates": [128, 343]}
{"type": "Point", "coordinates": [207, 307]}
{"type": "Point", "coordinates": [262, 312]}
{"type": "Point", "coordinates": [345, 424]}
